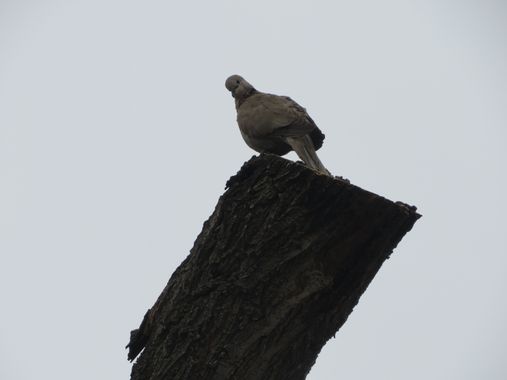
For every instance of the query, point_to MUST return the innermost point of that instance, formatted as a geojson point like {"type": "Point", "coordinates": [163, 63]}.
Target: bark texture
{"type": "Point", "coordinates": [273, 275]}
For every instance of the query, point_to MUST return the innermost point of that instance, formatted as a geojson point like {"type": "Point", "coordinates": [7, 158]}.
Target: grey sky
{"type": "Point", "coordinates": [117, 136]}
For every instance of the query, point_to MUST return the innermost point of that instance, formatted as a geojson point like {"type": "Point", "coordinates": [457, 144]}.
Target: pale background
{"type": "Point", "coordinates": [117, 137]}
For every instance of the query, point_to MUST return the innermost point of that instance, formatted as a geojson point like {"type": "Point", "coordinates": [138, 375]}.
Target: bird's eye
{"type": "Point", "coordinates": [237, 82]}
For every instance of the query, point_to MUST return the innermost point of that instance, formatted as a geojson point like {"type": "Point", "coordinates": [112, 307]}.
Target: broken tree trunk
{"type": "Point", "coordinates": [274, 274]}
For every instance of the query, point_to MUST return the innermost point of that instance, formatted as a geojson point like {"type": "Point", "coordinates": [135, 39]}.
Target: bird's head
{"type": "Point", "coordinates": [238, 87]}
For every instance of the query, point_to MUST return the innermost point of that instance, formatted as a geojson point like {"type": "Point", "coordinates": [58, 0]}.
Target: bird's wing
{"type": "Point", "coordinates": [286, 117]}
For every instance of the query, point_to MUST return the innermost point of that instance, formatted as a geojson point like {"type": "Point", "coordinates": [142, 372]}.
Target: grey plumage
{"type": "Point", "coordinates": [275, 124]}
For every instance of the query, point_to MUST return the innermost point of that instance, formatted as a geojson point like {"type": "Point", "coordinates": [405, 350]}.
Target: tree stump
{"type": "Point", "coordinates": [273, 275]}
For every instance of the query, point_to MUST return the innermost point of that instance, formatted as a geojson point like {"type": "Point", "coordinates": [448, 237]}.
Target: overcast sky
{"type": "Point", "coordinates": [117, 137]}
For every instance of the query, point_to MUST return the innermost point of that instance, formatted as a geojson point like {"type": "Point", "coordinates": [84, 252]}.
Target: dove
{"type": "Point", "coordinates": [275, 124]}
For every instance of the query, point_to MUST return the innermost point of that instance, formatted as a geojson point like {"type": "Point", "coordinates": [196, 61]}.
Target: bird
{"type": "Point", "coordinates": [275, 124]}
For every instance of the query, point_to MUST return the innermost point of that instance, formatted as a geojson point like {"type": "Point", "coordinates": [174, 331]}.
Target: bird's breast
{"type": "Point", "coordinates": [253, 120]}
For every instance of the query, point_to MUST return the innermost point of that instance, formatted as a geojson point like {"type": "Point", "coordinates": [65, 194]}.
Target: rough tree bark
{"type": "Point", "coordinates": [273, 275]}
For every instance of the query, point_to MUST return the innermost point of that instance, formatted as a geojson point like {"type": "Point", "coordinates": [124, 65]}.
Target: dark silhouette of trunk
{"type": "Point", "coordinates": [274, 274]}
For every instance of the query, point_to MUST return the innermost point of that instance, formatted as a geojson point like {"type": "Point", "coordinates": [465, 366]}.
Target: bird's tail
{"type": "Point", "coordinates": [303, 146]}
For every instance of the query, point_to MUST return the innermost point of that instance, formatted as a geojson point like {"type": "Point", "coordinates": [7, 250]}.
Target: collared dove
{"type": "Point", "coordinates": [275, 124]}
